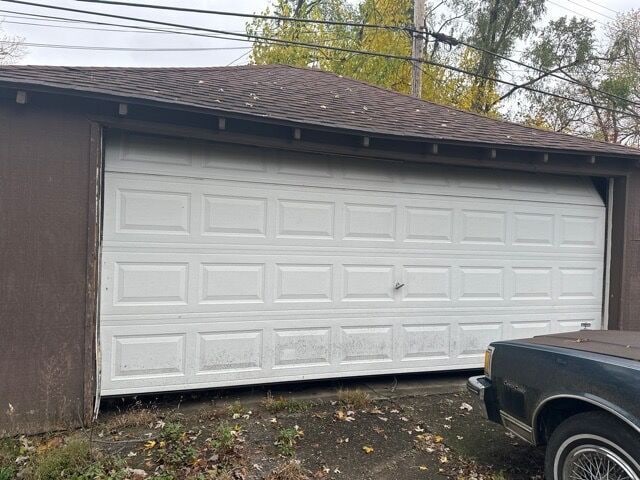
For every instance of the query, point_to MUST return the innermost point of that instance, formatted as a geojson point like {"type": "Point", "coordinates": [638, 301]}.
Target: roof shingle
{"type": "Point", "coordinates": [303, 96]}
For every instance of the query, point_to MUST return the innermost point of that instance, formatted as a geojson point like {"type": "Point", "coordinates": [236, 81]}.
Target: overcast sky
{"type": "Point", "coordinates": [77, 34]}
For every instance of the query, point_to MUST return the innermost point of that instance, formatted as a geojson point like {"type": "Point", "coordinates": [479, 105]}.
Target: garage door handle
{"type": "Point", "coordinates": [398, 285]}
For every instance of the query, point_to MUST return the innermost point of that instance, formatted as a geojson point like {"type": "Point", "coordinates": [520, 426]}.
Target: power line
{"type": "Point", "coordinates": [326, 47]}
{"type": "Point", "coordinates": [575, 13]}
{"type": "Point", "coordinates": [129, 49]}
{"type": "Point", "coordinates": [239, 58]}
{"type": "Point", "coordinates": [592, 10]}
{"type": "Point", "coordinates": [254, 16]}
{"type": "Point", "coordinates": [413, 30]}
{"type": "Point", "coordinates": [70, 27]}
{"type": "Point", "coordinates": [603, 6]}
{"type": "Point", "coordinates": [182, 31]}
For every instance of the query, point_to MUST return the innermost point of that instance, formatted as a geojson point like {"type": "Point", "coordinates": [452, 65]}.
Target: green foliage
{"type": "Point", "coordinates": [287, 439]}
{"type": "Point", "coordinates": [9, 451]}
{"type": "Point", "coordinates": [175, 449]}
{"type": "Point", "coordinates": [281, 404]}
{"type": "Point", "coordinates": [71, 461]}
{"type": "Point", "coordinates": [7, 473]}
{"type": "Point", "coordinates": [225, 439]}
{"type": "Point", "coordinates": [237, 409]}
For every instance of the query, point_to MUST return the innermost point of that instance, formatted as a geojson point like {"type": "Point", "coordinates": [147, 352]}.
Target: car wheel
{"type": "Point", "coordinates": [593, 446]}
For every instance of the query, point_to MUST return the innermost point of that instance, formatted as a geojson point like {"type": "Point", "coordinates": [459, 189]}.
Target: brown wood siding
{"type": "Point", "coordinates": [45, 179]}
{"type": "Point", "coordinates": [628, 254]}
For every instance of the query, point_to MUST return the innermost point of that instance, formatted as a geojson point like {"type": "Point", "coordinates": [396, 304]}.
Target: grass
{"type": "Point", "coordinates": [69, 461]}
{"type": "Point", "coordinates": [356, 399]}
{"type": "Point", "coordinates": [7, 473]}
{"type": "Point", "coordinates": [280, 404]}
{"type": "Point", "coordinates": [9, 451]}
{"type": "Point", "coordinates": [74, 461]}
{"type": "Point", "coordinates": [291, 470]}
{"type": "Point", "coordinates": [134, 417]}
{"type": "Point", "coordinates": [236, 408]}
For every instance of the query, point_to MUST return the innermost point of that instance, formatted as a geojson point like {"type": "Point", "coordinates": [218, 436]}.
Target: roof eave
{"type": "Point", "coordinates": [70, 90]}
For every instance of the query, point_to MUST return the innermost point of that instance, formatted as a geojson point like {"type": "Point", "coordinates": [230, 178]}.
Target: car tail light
{"type": "Point", "coordinates": [488, 357]}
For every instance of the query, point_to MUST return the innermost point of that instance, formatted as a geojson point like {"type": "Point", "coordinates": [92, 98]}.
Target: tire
{"type": "Point", "coordinates": [588, 436]}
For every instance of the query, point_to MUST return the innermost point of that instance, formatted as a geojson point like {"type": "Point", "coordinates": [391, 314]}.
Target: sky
{"type": "Point", "coordinates": [218, 51]}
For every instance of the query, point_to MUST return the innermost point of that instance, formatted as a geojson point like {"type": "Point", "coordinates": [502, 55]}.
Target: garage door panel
{"type": "Point", "coordinates": [224, 162]}
{"type": "Point", "coordinates": [192, 282]}
{"type": "Point", "coordinates": [228, 266]}
{"type": "Point", "coordinates": [210, 352]}
{"type": "Point", "coordinates": [195, 212]}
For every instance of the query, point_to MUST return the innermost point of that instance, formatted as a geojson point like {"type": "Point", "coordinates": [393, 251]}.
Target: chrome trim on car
{"type": "Point", "coordinates": [517, 427]}
{"type": "Point", "coordinates": [601, 404]}
{"type": "Point", "coordinates": [474, 385]}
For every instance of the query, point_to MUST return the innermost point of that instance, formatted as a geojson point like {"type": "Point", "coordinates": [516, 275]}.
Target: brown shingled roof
{"type": "Point", "coordinates": [306, 97]}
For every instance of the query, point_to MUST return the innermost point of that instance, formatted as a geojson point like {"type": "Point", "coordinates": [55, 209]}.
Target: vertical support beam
{"type": "Point", "coordinates": [297, 134]}
{"type": "Point", "coordinates": [123, 109]}
{"type": "Point", "coordinates": [417, 47]}
{"type": "Point", "coordinates": [91, 397]}
{"type": "Point", "coordinates": [619, 246]}
{"type": "Point", "coordinates": [365, 141]}
{"type": "Point", "coordinates": [607, 257]}
{"type": "Point", "coordinates": [222, 123]}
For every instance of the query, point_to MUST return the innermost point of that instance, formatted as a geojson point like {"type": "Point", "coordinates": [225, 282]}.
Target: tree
{"type": "Point", "coordinates": [496, 26]}
{"type": "Point", "coordinates": [605, 76]}
{"type": "Point", "coordinates": [11, 47]}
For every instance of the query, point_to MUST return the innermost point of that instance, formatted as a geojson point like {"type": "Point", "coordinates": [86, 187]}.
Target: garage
{"type": "Point", "coordinates": [230, 265]}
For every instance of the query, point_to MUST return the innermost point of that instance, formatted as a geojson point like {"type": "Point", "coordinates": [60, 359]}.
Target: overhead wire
{"type": "Point", "coordinates": [261, 38]}
{"type": "Point", "coordinates": [129, 49]}
{"type": "Point", "coordinates": [411, 30]}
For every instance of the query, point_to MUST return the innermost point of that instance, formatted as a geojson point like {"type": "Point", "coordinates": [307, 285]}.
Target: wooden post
{"type": "Point", "coordinates": [417, 46]}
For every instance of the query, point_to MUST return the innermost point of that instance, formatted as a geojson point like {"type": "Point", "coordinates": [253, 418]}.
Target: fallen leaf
{"type": "Point", "coordinates": [423, 467]}
{"type": "Point", "coordinates": [438, 439]}
{"type": "Point", "coordinates": [466, 406]}
{"type": "Point", "coordinates": [150, 444]}
{"type": "Point", "coordinates": [367, 449]}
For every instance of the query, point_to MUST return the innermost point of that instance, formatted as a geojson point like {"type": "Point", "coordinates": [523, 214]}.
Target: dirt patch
{"type": "Point", "coordinates": [352, 434]}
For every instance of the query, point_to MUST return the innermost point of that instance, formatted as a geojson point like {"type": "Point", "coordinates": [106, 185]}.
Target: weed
{"type": "Point", "coordinates": [356, 399]}
{"type": "Point", "coordinates": [175, 449]}
{"type": "Point", "coordinates": [237, 409]}
{"type": "Point", "coordinates": [9, 451]}
{"type": "Point", "coordinates": [291, 470]}
{"type": "Point", "coordinates": [134, 417]}
{"type": "Point", "coordinates": [225, 440]}
{"type": "Point", "coordinates": [70, 461]}
{"type": "Point", "coordinates": [281, 404]}
{"type": "Point", "coordinates": [172, 432]}
{"type": "Point", "coordinates": [7, 473]}
{"type": "Point", "coordinates": [287, 440]}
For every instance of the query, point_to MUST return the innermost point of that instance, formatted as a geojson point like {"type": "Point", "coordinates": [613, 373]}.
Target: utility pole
{"type": "Point", "coordinates": [417, 46]}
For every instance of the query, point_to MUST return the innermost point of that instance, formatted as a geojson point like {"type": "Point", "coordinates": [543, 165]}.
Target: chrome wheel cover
{"type": "Point", "coordinates": [595, 462]}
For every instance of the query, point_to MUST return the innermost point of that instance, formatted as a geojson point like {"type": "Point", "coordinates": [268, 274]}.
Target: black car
{"type": "Point", "coordinates": [577, 393]}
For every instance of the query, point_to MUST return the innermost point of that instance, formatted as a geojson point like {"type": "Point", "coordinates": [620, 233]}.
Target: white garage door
{"type": "Point", "coordinates": [230, 266]}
